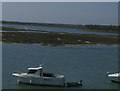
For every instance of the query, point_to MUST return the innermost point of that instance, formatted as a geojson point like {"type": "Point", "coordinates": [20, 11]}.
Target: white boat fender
{"type": "Point", "coordinates": [18, 81]}
{"type": "Point", "coordinates": [30, 81]}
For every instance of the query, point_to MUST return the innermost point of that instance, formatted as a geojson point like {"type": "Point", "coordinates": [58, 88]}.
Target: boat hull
{"type": "Point", "coordinates": [115, 79]}
{"type": "Point", "coordinates": [43, 81]}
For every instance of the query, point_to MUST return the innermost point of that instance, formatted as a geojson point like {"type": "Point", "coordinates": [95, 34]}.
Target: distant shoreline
{"type": "Point", "coordinates": [94, 28]}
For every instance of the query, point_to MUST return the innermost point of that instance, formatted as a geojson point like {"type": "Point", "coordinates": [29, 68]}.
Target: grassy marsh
{"type": "Point", "coordinates": [55, 38]}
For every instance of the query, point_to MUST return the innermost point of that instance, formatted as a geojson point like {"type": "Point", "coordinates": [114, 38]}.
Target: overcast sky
{"type": "Point", "coordinates": [60, 0]}
{"type": "Point", "coordinates": [61, 12]}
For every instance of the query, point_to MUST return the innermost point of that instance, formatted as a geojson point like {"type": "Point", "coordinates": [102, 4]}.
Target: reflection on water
{"type": "Point", "coordinates": [89, 63]}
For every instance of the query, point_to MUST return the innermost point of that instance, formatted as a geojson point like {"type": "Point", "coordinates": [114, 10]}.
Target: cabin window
{"type": "Point", "coordinates": [48, 74]}
{"type": "Point", "coordinates": [32, 71]}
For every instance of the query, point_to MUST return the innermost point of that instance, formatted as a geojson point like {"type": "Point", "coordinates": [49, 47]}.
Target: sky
{"type": "Point", "coordinates": [60, 0]}
{"type": "Point", "coordinates": [103, 13]}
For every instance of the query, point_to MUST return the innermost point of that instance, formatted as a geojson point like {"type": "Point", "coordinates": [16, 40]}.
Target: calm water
{"type": "Point", "coordinates": [76, 62]}
{"type": "Point", "coordinates": [55, 29]}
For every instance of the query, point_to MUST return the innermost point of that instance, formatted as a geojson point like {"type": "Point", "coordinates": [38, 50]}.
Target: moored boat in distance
{"type": "Point", "coordinates": [114, 77]}
{"type": "Point", "coordinates": [35, 76]}
{"type": "Point", "coordinates": [73, 84]}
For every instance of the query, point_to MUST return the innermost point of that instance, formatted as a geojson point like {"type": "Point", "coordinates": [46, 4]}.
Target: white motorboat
{"type": "Point", "coordinates": [115, 77]}
{"type": "Point", "coordinates": [35, 76]}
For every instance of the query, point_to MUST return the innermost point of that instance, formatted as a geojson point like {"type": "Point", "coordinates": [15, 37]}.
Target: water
{"type": "Point", "coordinates": [55, 29]}
{"type": "Point", "coordinates": [1, 66]}
{"type": "Point", "coordinates": [87, 63]}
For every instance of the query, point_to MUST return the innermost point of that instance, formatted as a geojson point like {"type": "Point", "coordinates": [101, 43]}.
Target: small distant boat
{"type": "Point", "coordinates": [114, 77]}
{"type": "Point", "coordinates": [73, 84]}
{"type": "Point", "coordinates": [35, 76]}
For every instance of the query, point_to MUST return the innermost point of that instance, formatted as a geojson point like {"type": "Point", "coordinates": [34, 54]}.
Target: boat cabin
{"type": "Point", "coordinates": [35, 70]}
